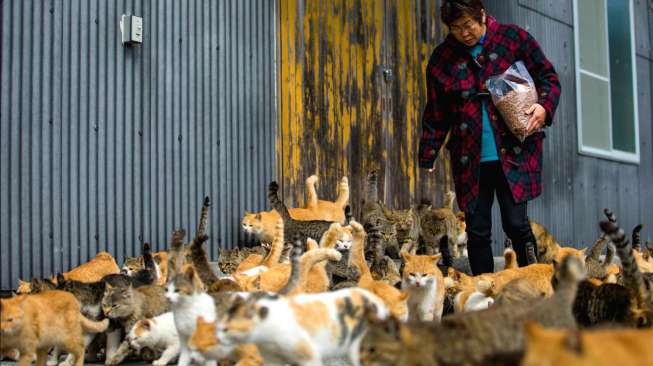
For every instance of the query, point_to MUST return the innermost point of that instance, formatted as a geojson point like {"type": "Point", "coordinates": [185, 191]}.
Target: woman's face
{"type": "Point", "coordinates": [468, 30]}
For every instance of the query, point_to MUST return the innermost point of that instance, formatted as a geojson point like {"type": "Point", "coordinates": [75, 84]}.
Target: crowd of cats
{"type": "Point", "coordinates": [322, 288]}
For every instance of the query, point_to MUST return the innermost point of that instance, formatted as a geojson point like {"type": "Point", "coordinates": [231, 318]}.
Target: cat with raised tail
{"type": "Point", "coordinates": [32, 324]}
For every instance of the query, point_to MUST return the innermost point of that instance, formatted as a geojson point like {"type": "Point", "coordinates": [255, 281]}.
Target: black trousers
{"type": "Point", "coordinates": [479, 221]}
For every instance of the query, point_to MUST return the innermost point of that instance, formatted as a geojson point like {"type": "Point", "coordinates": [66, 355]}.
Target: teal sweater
{"type": "Point", "coordinates": [488, 146]}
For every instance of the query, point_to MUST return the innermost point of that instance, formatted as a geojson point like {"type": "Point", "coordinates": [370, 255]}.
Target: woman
{"type": "Point", "coordinates": [485, 156]}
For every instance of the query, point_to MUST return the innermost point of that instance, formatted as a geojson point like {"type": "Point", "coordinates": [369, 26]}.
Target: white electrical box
{"type": "Point", "coordinates": [131, 28]}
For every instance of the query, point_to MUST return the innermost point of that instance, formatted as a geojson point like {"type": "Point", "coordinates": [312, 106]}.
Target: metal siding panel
{"type": "Point", "coordinates": [560, 10]}
{"type": "Point", "coordinates": [89, 128]}
{"type": "Point", "coordinates": [645, 173]}
{"type": "Point", "coordinates": [643, 13]}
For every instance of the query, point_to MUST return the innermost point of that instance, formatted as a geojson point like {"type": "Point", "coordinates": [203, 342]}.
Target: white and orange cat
{"type": "Point", "coordinates": [302, 329]}
{"type": "Point", "coordinates": [262, 224]}
{"type": "Point", "coordinates": [33, 324]}
{"type": "Point", "coordinates": [205, 342]}
{"type": "Point", "coordinates": [424, 284]}
{"type": "Point", "coordinates": [158, 333]}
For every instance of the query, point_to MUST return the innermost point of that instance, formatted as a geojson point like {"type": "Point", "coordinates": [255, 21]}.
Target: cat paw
{"type": "Point", "coordinates": [111, 361]}
{"type": "Point", "coordinates": [358, 228]}
{"type": "Point", "coordinates": [159, 363]}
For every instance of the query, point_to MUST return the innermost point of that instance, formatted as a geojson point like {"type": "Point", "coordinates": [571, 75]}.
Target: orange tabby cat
{"type": "Point", "coordinates": [313, 277]}
{"type": "Point", "coordinates": [33, 324]}
{"type": "Point", "coordinates": [262, 224]}
{"type": "Point", "coordinates": [610, 347]}
{"type": "Point", "coordinates": [392, 297]}
{"type": "Point", "coordinates": [204, 339]}
{"type": "Point", "coordinates": [539, 275]}
{"type": "Point", "coordinates": [92, 271]}
{"type": "Point", "coordinates": [424, 283]}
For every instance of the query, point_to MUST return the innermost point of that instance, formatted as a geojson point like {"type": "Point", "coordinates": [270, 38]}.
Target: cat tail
{"type": "Point", "coordinates": [510, 258]}
{"type": "Point", "coordinates": [311, 193]}
{"type": "Point", "coordinates": [637, 238]}
{"type": "Point", "coordinates": [343, 192]}
{"type": "Point", "coordinates": [308, 260]}
{"type": "Point", "coordinates": [276, 248]}
{"type": "Point", "coordinates": [176, 257]}
{"type": "Point", "coordinates": [447, 259]}
{"type": "Point", "coordinates": [294, 268]}
{"type": "Point", "coordinates": [449, 200]}
{"type": "Point", "coordinates": [92, 326]}
{"type": "Point", "coordinates": [204, 217]}
{"type": "Point", "coordinates": [357, 254]}
{"type": "Point", "coordinates": [371, 190]}
{"type": "Point", "coordinates": [148, 260]}
{"type": "Point", "coordinates": [633, 279]}
{"type": "Point", "coordinates": [277, 204]}
{"type": "Point", "coordinates": [201, 261]}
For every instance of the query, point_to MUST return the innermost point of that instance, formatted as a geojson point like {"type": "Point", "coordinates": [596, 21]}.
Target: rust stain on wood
{"type": "Point", "coordinates": [351, 95]}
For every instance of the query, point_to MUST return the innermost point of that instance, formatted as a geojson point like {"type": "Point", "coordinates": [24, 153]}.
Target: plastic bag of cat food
{"type": "Point", "coordinates": [513, 93]}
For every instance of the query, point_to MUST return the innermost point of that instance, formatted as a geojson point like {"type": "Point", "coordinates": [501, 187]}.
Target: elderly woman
{"type": "Point", "coordinates": [485, 156]}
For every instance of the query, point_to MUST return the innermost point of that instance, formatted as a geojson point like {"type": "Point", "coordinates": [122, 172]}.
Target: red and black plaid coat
{"type": "Point", "coordinates": [456, 86]}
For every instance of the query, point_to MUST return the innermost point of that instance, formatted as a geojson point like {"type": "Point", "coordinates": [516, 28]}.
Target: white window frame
{"type": "Point", "coordinates": [610, 154]}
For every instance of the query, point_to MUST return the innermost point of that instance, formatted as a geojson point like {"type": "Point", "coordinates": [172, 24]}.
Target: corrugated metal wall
{"type": "Point", "coordinates": [352, 88]}
{"type": "Point", "coordinates": [104, 145]}
{"type": "Point", "coordinates": [578, 187]}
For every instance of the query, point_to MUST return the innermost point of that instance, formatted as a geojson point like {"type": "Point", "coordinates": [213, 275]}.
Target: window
{"type": "Point", "coordinates": [606, 88]}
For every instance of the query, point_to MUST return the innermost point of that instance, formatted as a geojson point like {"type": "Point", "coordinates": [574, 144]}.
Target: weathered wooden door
{"type": "Point", "coordinates": [351, 95]}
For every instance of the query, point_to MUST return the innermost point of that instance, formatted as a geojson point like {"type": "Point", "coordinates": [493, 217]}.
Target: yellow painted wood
{"type": "Point", "coordinates": [337, 114]}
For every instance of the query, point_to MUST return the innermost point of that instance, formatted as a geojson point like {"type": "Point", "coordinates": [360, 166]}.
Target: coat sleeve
{"type": "Point", "coordinates": [543, 73]}
{"type": "Point", "coordinates": [435, 122]}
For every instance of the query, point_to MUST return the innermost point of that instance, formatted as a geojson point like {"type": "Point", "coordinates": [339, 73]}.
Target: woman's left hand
{"type": "Point", "coordinates": [537, 119]}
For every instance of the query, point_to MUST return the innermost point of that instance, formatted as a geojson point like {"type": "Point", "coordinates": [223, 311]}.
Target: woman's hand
{"type": "Point", "coordinates": [538, 117]}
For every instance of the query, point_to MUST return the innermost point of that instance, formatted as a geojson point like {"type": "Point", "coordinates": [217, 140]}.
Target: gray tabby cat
{"type": "Point", "coordinates": [494, 336]}
{"type": "Point", "coordinates": [295, 229]}
{"type": "Point", "coordinates": [381, 232]}
{"type": "Point", "coordinates": [129, 305]}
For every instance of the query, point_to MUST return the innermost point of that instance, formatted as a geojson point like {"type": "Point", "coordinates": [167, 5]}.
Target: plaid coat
{"type": "Point", "coordinates": [456, 86]}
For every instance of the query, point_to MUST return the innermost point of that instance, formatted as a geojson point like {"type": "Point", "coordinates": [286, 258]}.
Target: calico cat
{"type": "Point", "coordinates": [424, 284]}
{"type": "Point", "coordinates": [340, 238]}
{"type": "Point", "coordinates": [295, 229]}
{"type": "Point", "coordinates": [129, 305]}
{"type": "Point", "coordinates": [91, 271]}
{"type": "Point", "coordinates": [262, 224]}
{"type": "Point", "coordinates": [603, 347]}
{"type": "Point", "coordinates": [204, 340]}
{"type": "Point", "coordinates": [315, 327]}
{"type": "Point", "coordinates": [494, 336]}
{"type": "Point", "coordinates": [158, 333]}
{"type": "Point", "coordinates": [394, 299]}
{"type": "Point", "coordinates": [381, 233]}
{"type": "Point", "coordinates": [32, 324]}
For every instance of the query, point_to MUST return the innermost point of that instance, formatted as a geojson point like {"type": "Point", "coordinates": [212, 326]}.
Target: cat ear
{"type": "Point", "coordinates": [107, 286]}
{"type": "Point", "coordinates": [146, 324]}
{"type": "Point", "coordinates": [258, 216]}
{"type": "Point", "coordinates": [311, 244]}
{"type": "Point", "coordinates": [582, 251]}
{"type": "Point", "coordinates": [60, 279]}
{"type": "Point", "coordinates": [263, 312]}
{"type": "Point", "coordinates": [436, 258]}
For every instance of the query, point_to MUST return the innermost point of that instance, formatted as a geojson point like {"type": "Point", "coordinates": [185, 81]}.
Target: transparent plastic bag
{"type": "Point", "coordinates": [513, 93]}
